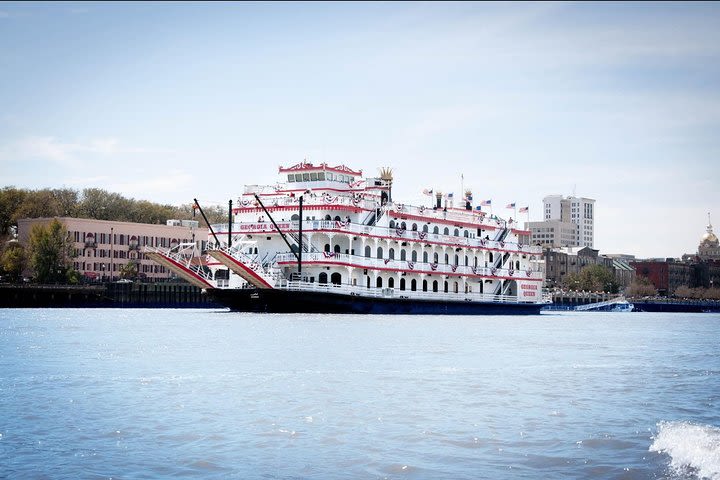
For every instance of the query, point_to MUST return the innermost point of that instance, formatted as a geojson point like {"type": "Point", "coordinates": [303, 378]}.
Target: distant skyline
{"type": "Point", "coordinates": [619, 102]}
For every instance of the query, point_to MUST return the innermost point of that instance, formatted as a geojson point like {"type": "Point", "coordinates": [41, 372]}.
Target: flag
{"type": "Point", "coordinates": [469, 198]}
{"type": "Point", "coordinates": [478, 207]}
{"type": "Point", "coordinates": [510, 205]}
{"type": "Point", "coordinates": [523, 209]}
{"type": "Point", "coordinates": [450, 195]}
{"type": "Point", "coordinates": [486, 203]}
{"type": "Point", "coordinates": [427, 192]}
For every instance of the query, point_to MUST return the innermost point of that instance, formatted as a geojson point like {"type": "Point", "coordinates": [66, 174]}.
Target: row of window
{"type": "Point", "coordinates": [414, 284]}
{"type": "Point", "coordinates": [319, 176]}
{"type": "Point", "coordinates": [105, 267]}
{"type": "Point", "coordinates": [123, 239]}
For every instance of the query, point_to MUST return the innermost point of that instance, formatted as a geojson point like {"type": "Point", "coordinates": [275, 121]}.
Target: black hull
{"type": "Point", "coordinates": [285, 301]}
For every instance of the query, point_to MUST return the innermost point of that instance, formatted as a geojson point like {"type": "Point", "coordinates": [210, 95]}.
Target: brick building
{"type": "Point", "coordinates": [102, 248]}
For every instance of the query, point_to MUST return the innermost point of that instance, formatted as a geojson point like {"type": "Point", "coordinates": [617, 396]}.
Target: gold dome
{"type": "Point", "coordinates": [709, 238]}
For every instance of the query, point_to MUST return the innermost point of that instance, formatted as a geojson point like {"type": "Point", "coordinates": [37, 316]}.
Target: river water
{"type": "Point", "coordinates": [214, 394]}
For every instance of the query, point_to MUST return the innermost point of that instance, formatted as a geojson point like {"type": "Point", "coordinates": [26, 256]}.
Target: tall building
{"type": "Point", "coordinates": [567, 222]}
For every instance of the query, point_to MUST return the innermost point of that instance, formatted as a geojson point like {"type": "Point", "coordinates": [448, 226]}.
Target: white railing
{"type": "Point", "coordinates": [398, 234]}
{"type": "Point", "coordinates": [418, 267]}
{"type": "Point", "coordinates": [266, 271]}
{"type": "Point", "coordinates": [397, 293]}
{"type": "Point", "coordinates": [183, 254]}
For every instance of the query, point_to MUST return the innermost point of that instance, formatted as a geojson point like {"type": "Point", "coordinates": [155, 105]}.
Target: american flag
{"type": "Point", "coordinates": [510, 205]}
{"type": "Point", "coordinates": [523, 209]}
{"type": "Point", "coordinates": [486, 203]}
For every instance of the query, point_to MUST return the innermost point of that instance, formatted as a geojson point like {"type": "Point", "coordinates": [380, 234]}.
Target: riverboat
{"type": "Point", "coordinates": [326, 239]}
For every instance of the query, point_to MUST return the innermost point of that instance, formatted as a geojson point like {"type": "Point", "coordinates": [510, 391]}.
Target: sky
{"type": "Point", "coordinates": [619, 102]}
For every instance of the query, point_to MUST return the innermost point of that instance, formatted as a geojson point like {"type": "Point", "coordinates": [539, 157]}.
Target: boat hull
{"type": "Point", "coordinates": [293, 301]}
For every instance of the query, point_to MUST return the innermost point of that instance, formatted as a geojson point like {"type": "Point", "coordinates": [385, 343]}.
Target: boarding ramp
{"type": "Point", "coordinates": [179, 260]}
{"type": "Point", "coordinates": [256, 274]}
{"type": "Point", "coordinates": [600, 305]}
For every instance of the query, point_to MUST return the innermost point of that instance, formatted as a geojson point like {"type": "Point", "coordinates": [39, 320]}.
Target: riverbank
{"type": "Point", "coordinates": [109, 295]}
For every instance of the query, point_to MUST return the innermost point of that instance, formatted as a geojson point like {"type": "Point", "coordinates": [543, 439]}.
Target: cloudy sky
{"type": "Point", "coordinates": [168, 102]}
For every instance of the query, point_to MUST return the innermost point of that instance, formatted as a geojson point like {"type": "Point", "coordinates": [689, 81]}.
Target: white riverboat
{"type": "Point", "coordinates": [328, 239]}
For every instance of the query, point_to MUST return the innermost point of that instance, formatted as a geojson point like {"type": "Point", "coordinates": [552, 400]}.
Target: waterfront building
{"type": "Point", "coordinates": [102, 248]}
{"type": "Point", "coordinates": [666, 274]}
{"type": "Point", "coordinates": [560, 262]}
{"type": "Point", "coordinates": [567, 222]}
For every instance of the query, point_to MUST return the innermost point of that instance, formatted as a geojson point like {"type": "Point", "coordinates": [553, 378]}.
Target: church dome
{"type": "Point", "coordinates": [709, 239]}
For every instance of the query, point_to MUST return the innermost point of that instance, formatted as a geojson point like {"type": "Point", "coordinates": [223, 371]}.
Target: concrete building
{"type": "Point", "coordinates": [567, 222]}
{"type": "Point", "coordinates": [102, 248]}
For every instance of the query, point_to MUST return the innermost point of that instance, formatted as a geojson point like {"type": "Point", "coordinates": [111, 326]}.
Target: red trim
{"type": "Point", "coordinates": [190, 272]}
{"type": "Point", "coordinates": [248, 270]}
{"type": "Point", "coordinates": [305, 207]}
{"type": "Point", "coordinates": [457, 223]}
{"type": "Point", "coordinates": [383, 269]}
{"type": "Point", "coordinates": [306, 167]}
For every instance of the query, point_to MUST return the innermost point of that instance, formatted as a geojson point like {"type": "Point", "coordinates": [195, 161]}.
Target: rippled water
{"type": "Point", "coordinates": [214, 394]}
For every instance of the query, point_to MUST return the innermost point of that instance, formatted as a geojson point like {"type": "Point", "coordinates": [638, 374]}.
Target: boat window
{"type": "Point", "coordinates": [425, 257]}
{"type": "Point", "coordinates": [392, 223]}
{"type": "Point", "coordinates": [446, 231]}
{"type": "Point", "coordinates": [402, 284]}
{"type": "Point", "coordinates": [295, 217]}
{"type": "Point", "coordinates": [414, 256]}
{"type": "Point", "coordinates": [403, 255]}
{"type": "Point", "coordinates": [351, 179]}
{"type": "Point", "coordinates": [435, 286]}
{"type": "Point", "coordinates": [424, 285]}
{"type": "Point", "coordinates": [436, 230]}
{"type": "Point", "coordinates": [368, 251]}
{"type": "Point", "coordinates": [435, 257]}
{"type": "Point", "coordinates": [456, 287]}
{"type": "Point", "coordinates": [313, 176]}
{"type": "Point", "coordinates": [414, 227]}
{"type": "Point", "coordinates": [491, 257]}
{"type": "Point", "coordinates": [391, 282]}
{"type": "Point", "coordinates": [466, 260]}
{"type": "Point", "coordinates": [321, 175]}
{"type": "Point", "coordinates": [378, 282]}
{"type": "Point", "coordinates": [329, 176]}
{"type": "Point", "coordinates": [425, 228]}
{"type": "Point", "coordinates": [391, 254]}
{"type": "Point", "coordinates": [379, 252]}
{"type": "Point", "coordinates": [291, 177]}
{"type": "Point", "coordinates": [336, 278]}
{"type": "Point", "coordinates": [328, 217]}
{"type": "Point", "coordinates": [517, 265]}
{"type": "Point", "coordinates": [447, 258]}
{"type": "Point", "coordinates": [457, 232]}
{"type": "Point", "coordinates": [456, 260]}
{"type": "Point", "coordinates": [322, 278]}
{"type": "Point", "coordinates": [466, 234]}
{"type": "Point", "coordinates": [367, 282]}
{"type": "Point", "coordinates": [327, 247]}
{"type": "Point", "coordinates": [337, 248]}
{"type": "Point", "coordinates": [298, 177]}
{"type": "Point", "coordinates": [337, 218]}
{"type": "Point", "coordinates": [446, 286]}
{"type": "Point", "coordinates": [305, 177]}
{"type": "Point", "coordinates": [413, 285]}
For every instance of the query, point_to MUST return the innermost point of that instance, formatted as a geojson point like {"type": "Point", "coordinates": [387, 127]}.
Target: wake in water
{"type": "Point", "coordinates": [693, 449]}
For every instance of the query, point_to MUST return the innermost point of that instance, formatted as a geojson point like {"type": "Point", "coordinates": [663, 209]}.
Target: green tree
{"type": "Point", "coordinates": [11, 199]}
{"type": "Point", "coordinates": [50, 252]}
{"type": "Point", "coordinates": [13, 260]}
{"type": "Point", "coordinates": [129, 271]}
{"type": "Point", "coordinates": [594, 278]}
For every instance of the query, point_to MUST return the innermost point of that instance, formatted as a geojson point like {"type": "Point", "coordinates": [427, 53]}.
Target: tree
{"type": "Point", "coordinates": [129, 271]}
{"type": "Point", "coordinates": [594, 278]}
{"type": "Point", "coordinates": [50, 252]}
{"type": "Point", "coordinates": [12, 261]}
{"type": "Point", "coordinates": [11, 199]}
{"type": "Point", "coordinates": [641, 287]}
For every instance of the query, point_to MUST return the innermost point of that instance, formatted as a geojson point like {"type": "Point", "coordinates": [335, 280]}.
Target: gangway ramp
{"type": "Point", "coordinates": [243, 269]}
{"type": "Point", "coordinates": [179, 269]}
{"type": "Point", "coordinates": [598, 305]}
